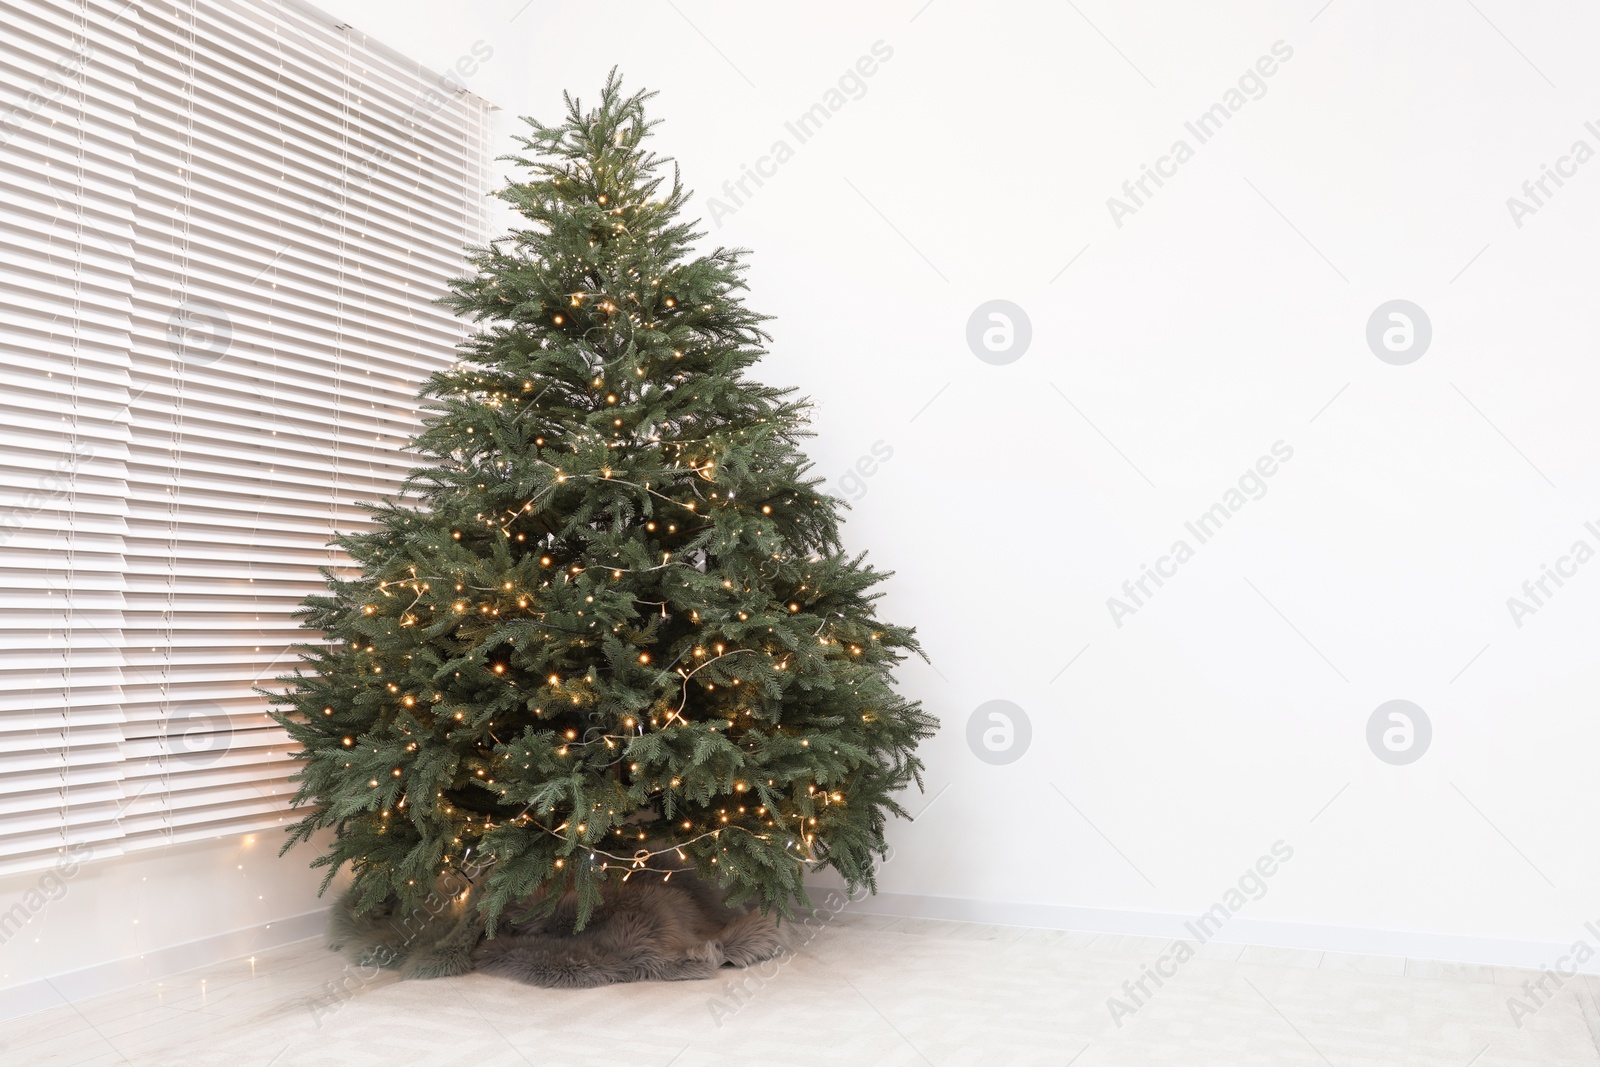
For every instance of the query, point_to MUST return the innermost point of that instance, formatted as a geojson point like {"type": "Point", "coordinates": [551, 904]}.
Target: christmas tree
{"type": "Point", "coordinates": [609, 620]}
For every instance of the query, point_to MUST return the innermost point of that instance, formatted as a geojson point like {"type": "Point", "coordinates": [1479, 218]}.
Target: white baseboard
{"type": "Point", "coordinates": [158, 963]}
{"type": "Point", "coordinates": [1270, 933]}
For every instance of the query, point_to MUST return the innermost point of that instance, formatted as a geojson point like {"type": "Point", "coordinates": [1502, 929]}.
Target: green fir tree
{"type": "Point", "coordinates": [610, 617]}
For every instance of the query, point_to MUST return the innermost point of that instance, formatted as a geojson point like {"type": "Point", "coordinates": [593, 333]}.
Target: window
{"type": "Point", "coordinates": [224, 226]}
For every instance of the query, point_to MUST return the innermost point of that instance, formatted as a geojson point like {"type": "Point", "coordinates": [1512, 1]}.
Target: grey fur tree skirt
{"type": "Point", "coordinates": [646, 929]}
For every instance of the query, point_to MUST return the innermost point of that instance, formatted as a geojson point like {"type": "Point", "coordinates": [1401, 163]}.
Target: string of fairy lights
{"type": "Point", "coordinates": [684, 476]}
{"type": "Point", "coordinates": [419, 587]}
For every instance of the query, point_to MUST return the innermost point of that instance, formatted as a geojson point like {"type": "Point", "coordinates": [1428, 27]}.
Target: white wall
{"type": "Point", "coordinates": [1229, 313]}
{"type": "Point", "coordinates": [1220, 318]}
{"type": "Point", "coordinates": [96, 926]}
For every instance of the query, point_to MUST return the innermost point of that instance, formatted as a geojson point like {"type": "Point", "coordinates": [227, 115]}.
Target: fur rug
{"type": "Point", "coordinates": [646, 929]}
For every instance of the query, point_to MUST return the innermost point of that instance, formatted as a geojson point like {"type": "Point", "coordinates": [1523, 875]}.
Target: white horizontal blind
{"type": "Point", "coordinates": [291, 202]}
{"type": "Point", "coordinates": [66, 235]}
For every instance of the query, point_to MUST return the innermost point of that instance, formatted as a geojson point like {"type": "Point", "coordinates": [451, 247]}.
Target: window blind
{"type": "Point", "coordinates": [225, 236]}
{"type": "Point", "coordinates": [65, 255]}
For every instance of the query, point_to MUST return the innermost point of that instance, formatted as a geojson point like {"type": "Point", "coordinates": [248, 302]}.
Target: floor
{"type": "Point", "coordinates": [864, 990]}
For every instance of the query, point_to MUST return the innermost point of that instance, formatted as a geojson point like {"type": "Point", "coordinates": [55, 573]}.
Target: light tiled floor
{"type": "Point", "coordinates": [866, 990]}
